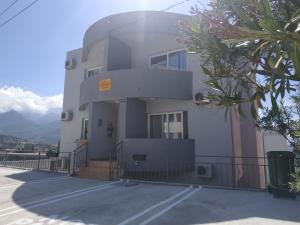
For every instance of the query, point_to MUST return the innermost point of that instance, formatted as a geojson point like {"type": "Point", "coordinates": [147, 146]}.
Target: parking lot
{"type": "Point", "coordinates": [28, 197]}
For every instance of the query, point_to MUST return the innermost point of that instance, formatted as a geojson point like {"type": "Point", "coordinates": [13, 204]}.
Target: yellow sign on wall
{"type": "Point", "coordinates": [105, 85]}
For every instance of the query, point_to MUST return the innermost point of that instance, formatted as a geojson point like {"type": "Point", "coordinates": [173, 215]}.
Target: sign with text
{"type": "Point", "coordinates": [105, 85]}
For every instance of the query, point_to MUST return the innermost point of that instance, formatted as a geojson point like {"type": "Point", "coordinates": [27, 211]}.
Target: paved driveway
{"type": "Point", "coordinates": [39, 198]}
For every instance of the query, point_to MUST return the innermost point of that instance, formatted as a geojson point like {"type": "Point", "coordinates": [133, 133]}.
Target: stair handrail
{"type": "Point", "coordinates": [80, 157]}
{"type": "Point", "coordinates": [119, 156]}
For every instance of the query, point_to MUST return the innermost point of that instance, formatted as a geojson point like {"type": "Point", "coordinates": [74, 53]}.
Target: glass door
{"type": "Point", "coordinates": [175, 125]}
{"type": "Point", "coordinates": [167, 125]}
{"type": "Point", "coordinates": [155, 126]}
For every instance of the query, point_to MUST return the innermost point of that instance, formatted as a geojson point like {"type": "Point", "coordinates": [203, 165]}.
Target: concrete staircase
{"type": "Point", "coordinates": [99, 169]}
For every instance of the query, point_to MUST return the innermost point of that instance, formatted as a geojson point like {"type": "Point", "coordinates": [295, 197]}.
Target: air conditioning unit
{"type": "Point", "coordinates": [66, 116]}
{"type": "Point", "coordinates": [201, 99]}
{"type": "Point", "coordinates": [204, 170]}
{"type": "Point", "coordinates": [70, 64]}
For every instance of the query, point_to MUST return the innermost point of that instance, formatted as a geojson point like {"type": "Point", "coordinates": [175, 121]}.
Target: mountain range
{"type": "Point", "coordinates": [30, 126]}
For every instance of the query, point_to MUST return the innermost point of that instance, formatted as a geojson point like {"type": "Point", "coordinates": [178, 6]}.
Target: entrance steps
{"type": "Point", "coordinates": [99, 169]}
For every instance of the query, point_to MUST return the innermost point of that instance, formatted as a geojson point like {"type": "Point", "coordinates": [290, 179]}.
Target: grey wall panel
{"type": "Point", "coordinates": [158, 152]}
{"type": "Point", "coordinates": [138, 83]}
{"type": "Point", "coordinates": [119, 55]}
{"type": "Point", "coordinates": [136, 119]}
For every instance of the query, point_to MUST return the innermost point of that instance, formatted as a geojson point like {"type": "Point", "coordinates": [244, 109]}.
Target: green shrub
{"type": "Point", "coordinates": [295, 184]}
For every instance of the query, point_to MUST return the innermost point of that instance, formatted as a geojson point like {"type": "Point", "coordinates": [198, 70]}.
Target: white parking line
{"type": "Point", "coordinates": [36, 181]}
{"type": "Point", "coordinates": [145, 222]}
{"type": "Point", "coordinates": [56, 200]}
{"type": "Point", "coordinates": [60, 197]}
{"type": "Point", "coordinates": [130, 219]}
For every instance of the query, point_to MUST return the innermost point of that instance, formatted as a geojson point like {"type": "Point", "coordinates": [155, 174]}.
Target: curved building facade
{"type": "Point", "coordinates": [134, 82]}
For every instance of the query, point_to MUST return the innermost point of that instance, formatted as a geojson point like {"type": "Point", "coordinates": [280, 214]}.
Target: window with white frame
{"type": "Point", "coordinates": [176, 60]}
{"type": "Point", "coordinates": [94, 71]}
{"type": "Point", "coordinates": [171, 125]}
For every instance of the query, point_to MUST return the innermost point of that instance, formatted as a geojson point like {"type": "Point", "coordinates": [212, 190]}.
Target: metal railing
{"type": "Point", "coordinates": [35, 161]}
{"type": "Point", "coordinates": [120, 166]}
{"type": "Point", "coordinates": [67, 162]}
{"type": "Point", "coordinates": [218, 171]}
{"type": "Point", "coordinates": [79, 157]}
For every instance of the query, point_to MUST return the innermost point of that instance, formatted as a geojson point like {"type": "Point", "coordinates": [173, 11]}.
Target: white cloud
{"type": "Point", "coordinates": [15, 98]}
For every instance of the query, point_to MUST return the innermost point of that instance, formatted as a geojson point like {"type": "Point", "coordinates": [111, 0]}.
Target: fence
{"type": "Point", "coordinates": [66, 162]}
{"type": "Point", "coordinates": [35, 161]}
{"type": "Point", "coordinates": [220, 171]}
{"type": "Point", "coordinates": [79, 158]}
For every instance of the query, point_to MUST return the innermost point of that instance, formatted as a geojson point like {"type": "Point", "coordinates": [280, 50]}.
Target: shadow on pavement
{"type": "Point", "coordinates": [28, 176]}
{"type": "Point", "coordinates": [207, 206]}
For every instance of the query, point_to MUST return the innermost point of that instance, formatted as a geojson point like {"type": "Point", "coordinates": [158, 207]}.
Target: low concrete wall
{"type": "Point", "coordinates": [161, 154]}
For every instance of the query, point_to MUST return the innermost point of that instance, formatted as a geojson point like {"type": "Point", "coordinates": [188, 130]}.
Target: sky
{"type": "Point", "coordinates": [33, 46]}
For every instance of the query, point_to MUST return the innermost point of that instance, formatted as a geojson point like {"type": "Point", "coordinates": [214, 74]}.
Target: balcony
{"type": "Point", "coordinates": [137, 83]}
{"type": "Point", "coordinates": [157, 153]}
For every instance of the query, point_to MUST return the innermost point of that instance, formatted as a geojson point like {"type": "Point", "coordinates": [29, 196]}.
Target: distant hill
{"type": "Point", "coordinates": [33, 127]}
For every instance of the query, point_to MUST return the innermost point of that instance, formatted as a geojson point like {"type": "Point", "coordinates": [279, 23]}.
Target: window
{"type": "Point", "coordinates": [173, 61]}
{"type": "Point", "coordinates": [171, 125]}
{"type": "Point", "coordinates": [178, 117]}
{"type": "Point", "coordinates": [177, 61]}
{"type": "Point", "coordinates": [159, 62]}
{"type": "Point", "coordinates": [94, 71]}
